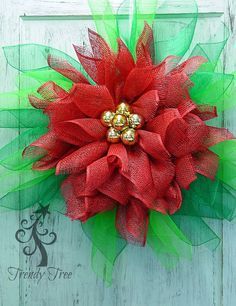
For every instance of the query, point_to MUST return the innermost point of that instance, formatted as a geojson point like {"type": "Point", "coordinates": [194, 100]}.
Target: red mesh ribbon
{"type": "Point", "coordinates": [172, 147]}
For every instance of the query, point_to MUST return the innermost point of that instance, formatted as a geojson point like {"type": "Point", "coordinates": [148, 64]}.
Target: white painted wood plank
{"type": "Point", "coordinates": [9, 249]}
{"type": "Point", "coordinates": [80, 7]}
{"type": "Point", "coordinates": [138, 277]}
{"type": "Point", "coordinates": [229, 242]}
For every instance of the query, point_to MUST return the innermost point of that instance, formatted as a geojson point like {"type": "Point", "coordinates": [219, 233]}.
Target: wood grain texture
{"type": "Point", "coordinates": [9, 251]}
{"type": "Point", "coordinates": [229, 229]}
{"type": "Point", "coordinates": [69, 7]}
{"type": "Point", "coordinates": [139, 279]}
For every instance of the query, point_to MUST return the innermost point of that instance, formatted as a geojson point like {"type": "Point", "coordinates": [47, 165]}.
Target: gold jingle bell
{"type": "Point", "coordinates": [119, 122]}
{"type": "Point", "coordinates": [135, 121]}
{"type": "Point", "coordinates": [123, 108]}
{"type": "Point", "coordinates": [113, 135]}
{"type": "Point", "coordinates": [107, 117]}
{"type": "Point", "coordinates": [129, 136]}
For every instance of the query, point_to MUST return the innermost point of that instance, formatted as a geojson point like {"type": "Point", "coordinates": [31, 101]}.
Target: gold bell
{"type": "Point", "coordinates": [129, 136]}
{"type": "Point", "coordinates": [113, 135]}
{"type": "Point", "coordinates": [135, 121]}
{"type": "Point", "coordinates": [107, 117]}
{"type": "Point", "coordinates": [123, 108]}
{"type": "Point", "coordinates": [119, 122]}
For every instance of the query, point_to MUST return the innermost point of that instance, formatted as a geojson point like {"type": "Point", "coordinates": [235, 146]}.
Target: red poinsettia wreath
{"type": "Point", "coordinates": [131, 141]}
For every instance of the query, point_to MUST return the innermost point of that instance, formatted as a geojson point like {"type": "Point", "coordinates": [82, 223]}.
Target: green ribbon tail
{"type": "Point", "coordinates": [167, 240]}
{"type": "Point", "coordinates": [107, 243]}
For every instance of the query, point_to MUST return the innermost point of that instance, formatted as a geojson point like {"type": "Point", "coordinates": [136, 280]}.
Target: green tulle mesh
{"type": "Point", "coordinates": [107, 243]}
{"type": "Point", "coordinates": [171, 237]}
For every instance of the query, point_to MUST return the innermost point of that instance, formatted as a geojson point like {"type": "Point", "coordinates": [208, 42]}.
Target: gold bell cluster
{"type": "Point", "coordinates": [122, 124]}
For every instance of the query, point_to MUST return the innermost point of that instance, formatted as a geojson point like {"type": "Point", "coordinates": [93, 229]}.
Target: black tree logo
{"type": "Point", "coordinates": [36, 234]}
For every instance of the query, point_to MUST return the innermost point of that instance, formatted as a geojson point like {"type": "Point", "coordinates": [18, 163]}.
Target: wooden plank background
{"type": "Point", "coordinates": [139, 280]}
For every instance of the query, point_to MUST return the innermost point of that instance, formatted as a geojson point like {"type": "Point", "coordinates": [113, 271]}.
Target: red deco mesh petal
{"type": "Point", "coordinates": [92, 127]}
{"type": "Point", "coordinates": [161, 122]}
{"type": "Point", "coordinates": [132, 222]}
{"type": "Point", "coordinates": [171, 202]}
{"type": "Point", "coordinates": [45, 163]}
{"type": "Point", "coordinates": [185, 171]}
{"type": "Point", "coordinates": [76, 209]}
{"type": "Point", "coordinates": [147, 105]}
{"type": "Point", "coordinates": [216, 135]}
{"type": "Point", "coordinates": [75, 204]}
{"type": "Point", "coordinates": [77, 184]}
{"type": "Point", "coordinates": [205, 112]}
{"type": "Point", "coordinates": [100, 65]}
{"type": "Point", "coordinates": [80, 207]}
{"type": "Point", "coordinates": [73, 140]}
{"type": "Point", "coordinates": [50, 149]}
{"type": "Point", "coordinates": [206, 163]}
{"type": "Point", "coordinates": [63, 67]}
{"type": "Point", "coordinates": [145, 47]}
{"type": "Point", "coordinates": [152, 144]}
{"type": "Point", "coordinates": [102, 51]}
{"type": "Point", "coordinates": [146, 197]}
{"type": "Point", "coordinates": [190, 65]}
{"type": "Point", "coordinates": [139, 172]}
{"type": "Point", "coordinates": [100, 48]}
{"type": "Point", "coordinates": [162, 174]}
{"type": "Point", "coordinates": [166, 66]}
{"type": "Point", "coordinates": [93, 66]}
{"type": "Point", "coordinates": [38, 103]}
{"type": "Point", "coordinates": [160, 82]}
{"type": "Point", "coordinates": [51, 91]}
{"type": "Point", "coordinates": [63, 109]}
{"type": "Point", "coordinates": [98, 173]}
{"type": "Point", "coordinates": [81, 131]}
{"type": "Point", "coordinates": [116, 188]}
{"type": "Point", "coordinates": [71, 187]}
{"type": "Point", "coordinates": [98, 204]}
{"type": "Point", "coordinates": [48, 161]}
{"type": "Point", "coordinates": [93, 100]}
{"type": "Point", "coordinates": [47, 144]}
{"type": "Point", "coordinates": [177, 90]}
{"type": "Point", "coordinates": [117, 155]}
{"type": "Point", "coordinates": [185, 137]}
{"type": "Point", "coordinates": [118, 93]}
{"type": "Point", "coordinates": [124, 62]}
{"type": "Point", "coordinates": [137, 82]}
{"type": "Point", "coordinates": [112, 79]}
{"type": "Point", "coordinates": [186, 107]}
{"type": "Point", "coordinates": [81, 158]}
